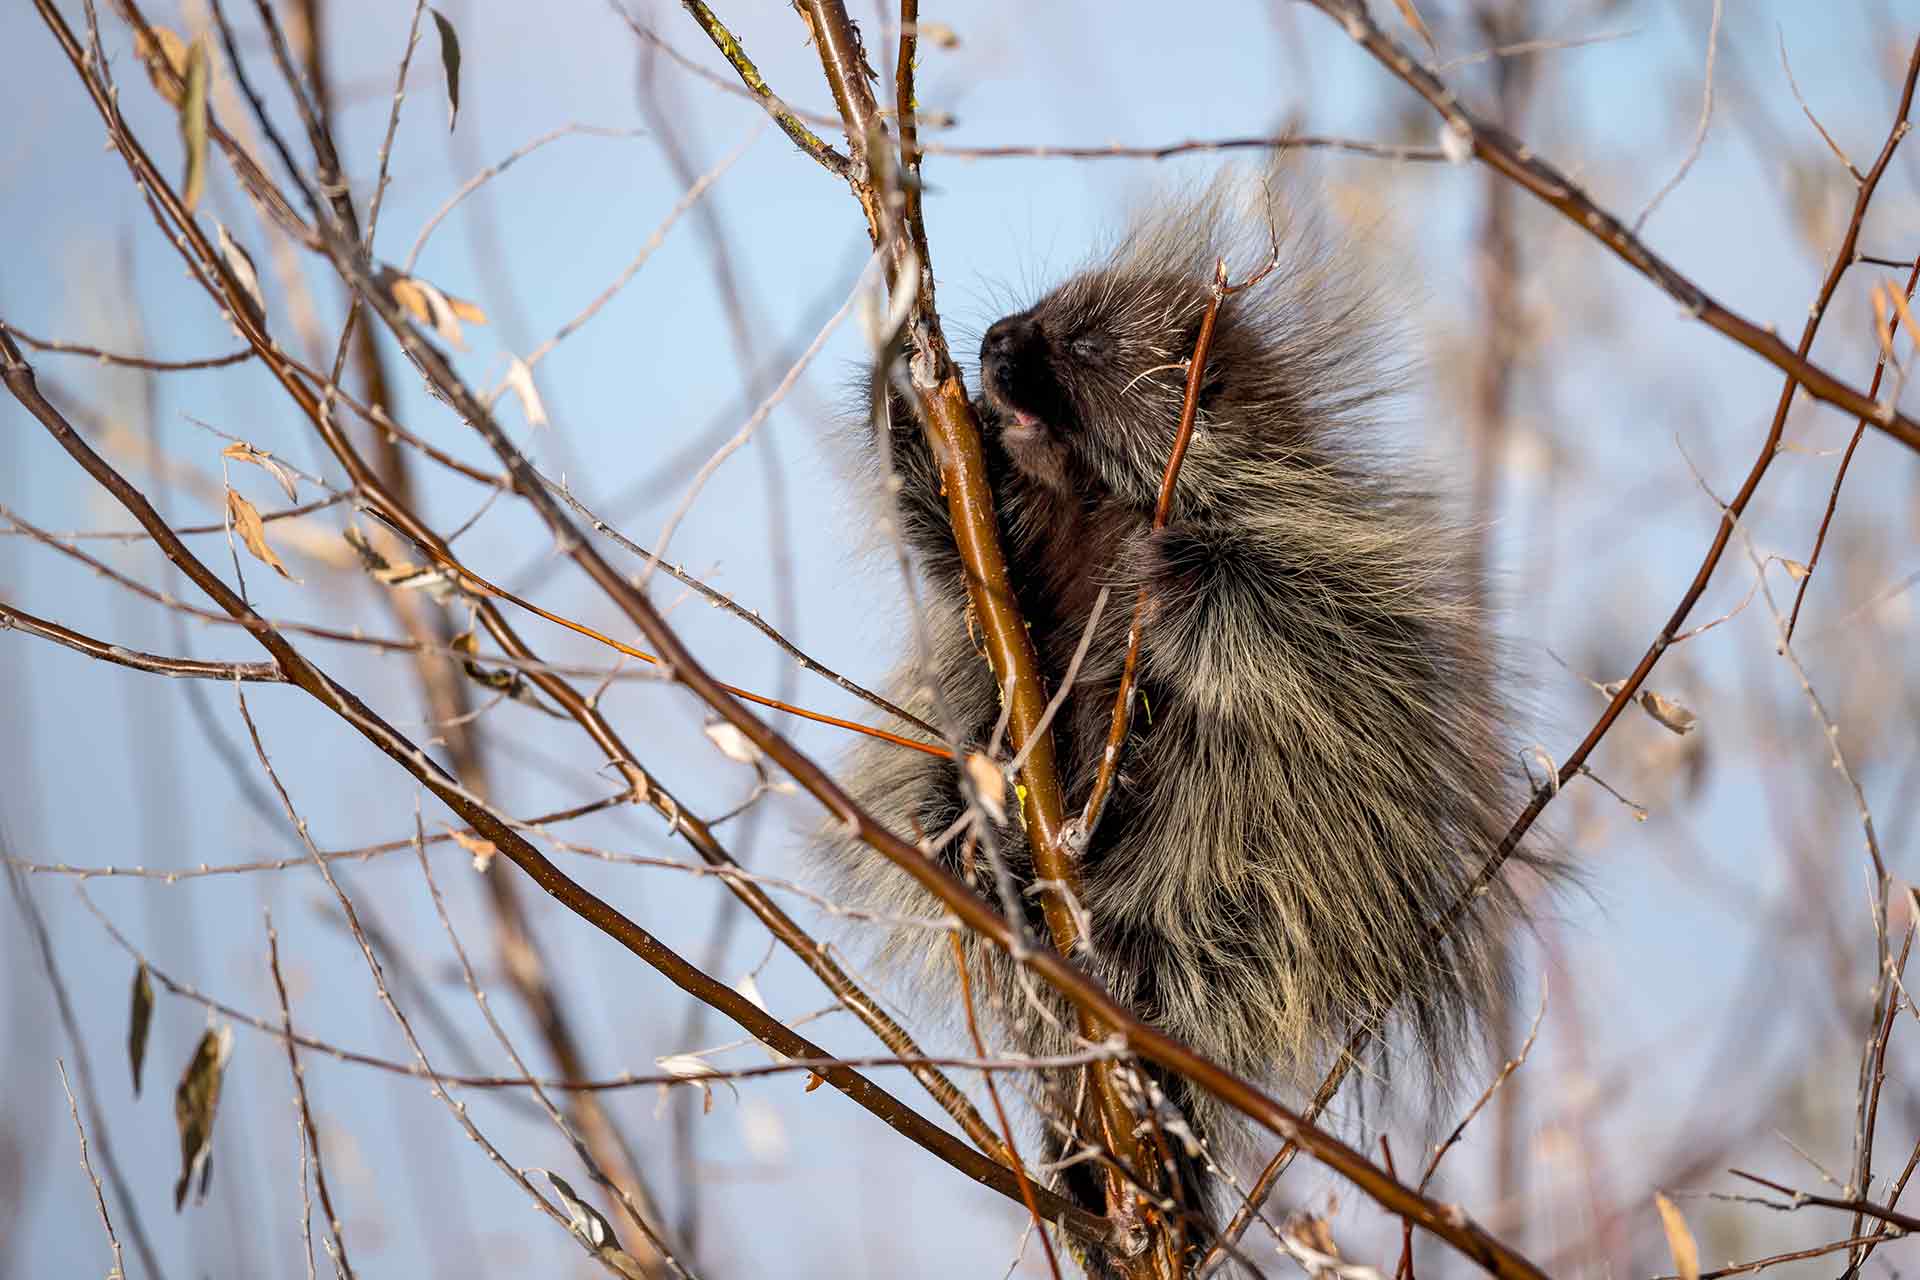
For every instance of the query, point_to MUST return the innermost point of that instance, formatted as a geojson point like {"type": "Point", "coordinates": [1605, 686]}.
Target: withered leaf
{"type": "Point", "coordinates": [520, 379]}
{"type": "Point", "coordinates": [1686, 1254]}
{"type": "Point", "coordinates": [482, 850]}
{"type": "Point", "coordinates": [194, 1104]}
{"type": "Point", "coordinates": [1794, 568]}
{"type": "Point", "coordinates": [139, 1022]}
{"type": "Point", "coordinates": [734, 745]}
{"type": "Point", "coordinates": [1669, 713]}
{"type": "Point", "coordinates": [241, 264]}
{"type": "Point", "coordinates": [158, 47]}
{"type": "Point", "coordinates": [1412, 16]}
{"type": "Point", "coordinates": [587, 1221]}
{"type": "Point", "coordinates": [430, 307]}
{"type": "Point", "coordinates": [193, 125]}
{"type": "Point", "coordinates": [450, 63]}
{"type": "Point", "coordinates": [253, 532]}
{"type": "Point", "coordinates": [241, 451]}
{"type": "Point", "coordinates": [989, 784]}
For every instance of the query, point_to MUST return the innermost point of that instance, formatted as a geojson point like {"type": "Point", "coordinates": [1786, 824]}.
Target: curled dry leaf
{"type": "Point", "coordinates": [687, 1066]}
{"type": "Point", "coordinates": [247, 523]}
{"type": "Point", "coordinates": [1686, 1254]}
{"type": "Point", "coordinates": [520, 380]}
{"type": "Point", "coordinates": [989, 784]}
{"type": "Point", "coordinates": [241, 451]}
{"type": "Point", "coordinates": [241, 265]}
{"type": "Point", "coordinates": [586, 1222]}
{"type": "Point", "coordinates": [194, 1104]}
{"type": "Point", "coordinates": [1670, 714]}
{"type": "Point", "coordinates": [733, 744]}
{"type": "Point", "coordinates": [436, 310]}
{"type": "Point", "coordinates": [1794, 568]}
{"type": "Point", "coordinates": [482, 850]}
{"type": "Point", "coordinates": [139, 1021]}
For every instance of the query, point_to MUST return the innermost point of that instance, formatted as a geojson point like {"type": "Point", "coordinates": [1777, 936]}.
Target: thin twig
{"type": "Point", "coordinates": [86, 1164]}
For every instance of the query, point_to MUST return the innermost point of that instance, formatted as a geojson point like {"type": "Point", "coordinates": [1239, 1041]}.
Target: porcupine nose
{"type": "Point", "coordinates": [1009, 346]}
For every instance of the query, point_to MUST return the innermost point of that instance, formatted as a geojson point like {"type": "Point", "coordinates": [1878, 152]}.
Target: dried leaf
{"type": "Point", "coordinates": [1899, 301]}
{"type": "Point", "coordinates": [1668, 712]}
{"type": "Point", "coordinates": [939, 34]}
{"type": "Point", "coordinates": [193, 125]}
{"type": "Point", "coordinates": [520, 380]}
{"type": "Point", "coordinates": [1794, 568]}
{"type": "Point", "coordinates": [1412, 16]}
{"type": "Point", "coordinates": [751, 990]}
{"type": "Point", "coordinates": [158, 47]}
{"type": "Point", "coordinates": [482, 850]}
{"type": "Point", "coordinates": [241, 451]}
{"type": "Point", "coordinates": [587, 1221]}
{"type": "Point", "coordinates": [253, 532]}
{"type": "Point", "coordinates": [241, 265]}
{"type": "Point", "coordinates": [194, 1104]}
{"type": "Point", "coordinates": [1686, 1254]}
{"type": "Point", "coordinates": [450, 63]}
{"type": "Point", "coordinates": [407, 295]}
{"type": "Point", "coordinates": [470, 312]}
{"type": "Point", "coordinates": [139, 1020]}
{"type": "Point", "coordinates": [989, 784]}
{"type": "Point", "coordinates": [687, 1066]}
{"type": "Point", "coordinates": [433, 308]}
{"type": "Point", "coordinates": [733, 744]}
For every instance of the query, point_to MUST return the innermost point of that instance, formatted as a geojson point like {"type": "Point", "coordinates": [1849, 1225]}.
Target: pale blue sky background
{"type": "Point", "coordinates": [104, 766]}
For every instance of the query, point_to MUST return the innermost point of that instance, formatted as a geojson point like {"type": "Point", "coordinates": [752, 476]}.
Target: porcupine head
{"type": "Point", "coordinates": [1320, 767]}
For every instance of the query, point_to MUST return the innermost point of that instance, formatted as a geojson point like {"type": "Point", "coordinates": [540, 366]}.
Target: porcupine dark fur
{"type": "Point", "coordinates": [1321, 759]}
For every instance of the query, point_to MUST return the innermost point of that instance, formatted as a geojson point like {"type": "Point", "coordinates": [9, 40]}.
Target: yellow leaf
{"type": "Point", "coordinates": [1686, 1254]}
{"type": "Point", "coordinates": [407, 294]}
{"type": "Point", "coordinates": [247, 523]}
{"type": "Point", "coordinates": [482, 850]}
{"type": "Point", "coordinates": [162, 50]}
{"type": "Point", "coordinates": [193, 125]}
{"type": "Point", "coordinates": [1412, 15]}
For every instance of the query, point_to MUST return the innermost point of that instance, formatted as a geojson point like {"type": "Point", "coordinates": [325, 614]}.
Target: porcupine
{"type": "Point", "coordinates": [1321, 762]}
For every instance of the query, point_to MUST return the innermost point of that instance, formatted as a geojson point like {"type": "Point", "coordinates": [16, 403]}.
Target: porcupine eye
{"type": "Point", "coordinates": [1090, 347]}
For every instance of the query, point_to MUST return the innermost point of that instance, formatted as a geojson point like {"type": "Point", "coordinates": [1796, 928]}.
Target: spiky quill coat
{"type": "Point", "coordinates": [1320, 765]}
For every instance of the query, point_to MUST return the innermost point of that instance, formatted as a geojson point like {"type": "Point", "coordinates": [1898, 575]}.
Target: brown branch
{"type": "Point", "coordinates": [99, 1197]}
{"type": "Point", "coordinates": [1846, 459]}
{"type": "Point", "coordinates": [1495, 147]}
{"type": "Point", "coordinates": [308, 1131]}
{"type": "Point", "coordinates": [789, 121]}
{"type": "Point", "coordinates": [19, 379]}
{"type": "Point", "coordinates": [12, 619]}
{"type": "Point", "coordinates": [126, 361]}
{"type": "Point", "coordinates": [1761, 1264]}
{"type": "Point", "coordinates": [356, 271]}
{"type": "Point", "coordinates": [1187, 147]}
{"type": "Point", "coordinates": [980, 1047]}
{"type": "Point", "coordinates": [1799, 1199]}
